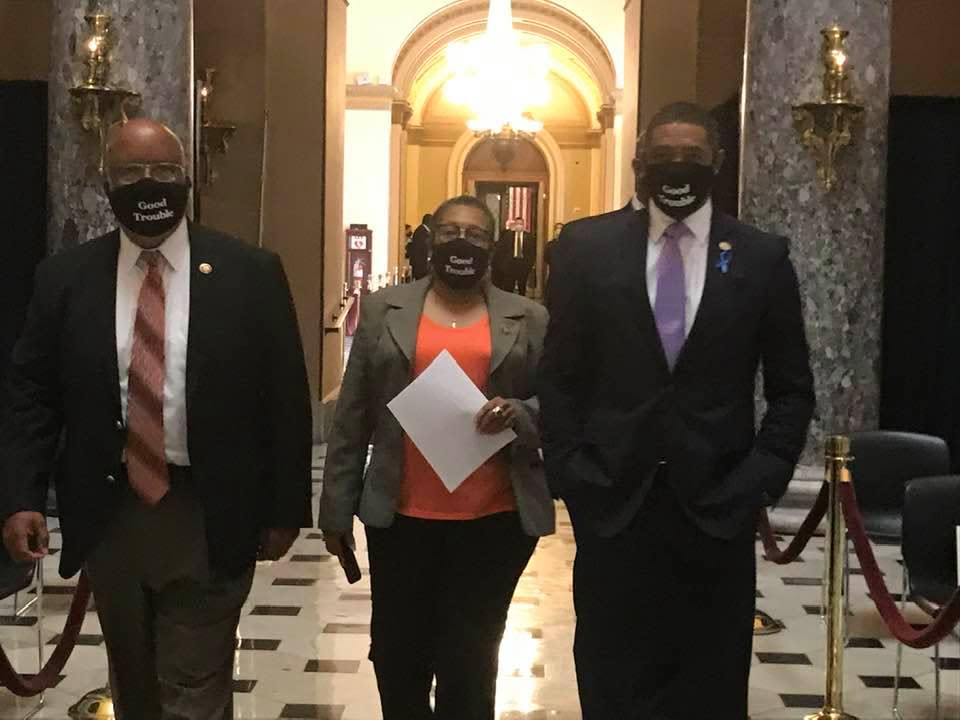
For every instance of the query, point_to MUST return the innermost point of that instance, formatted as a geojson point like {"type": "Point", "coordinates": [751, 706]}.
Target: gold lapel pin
{"type": "Point", "coordinates": [725, 246]}
{"type": "Point", "coordinates": [206, 268]}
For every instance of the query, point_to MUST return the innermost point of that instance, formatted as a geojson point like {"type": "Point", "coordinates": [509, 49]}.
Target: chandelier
{"type": "Point", "coordinates": [499, 79]}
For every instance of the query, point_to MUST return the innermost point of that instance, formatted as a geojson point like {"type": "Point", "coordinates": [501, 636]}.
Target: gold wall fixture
{"type": "Point", "coordinates": [215, 135]}
{"type": "Point", "coordinates": [826, 126]}
{"type": "Point", "coordinates": [99, 103]}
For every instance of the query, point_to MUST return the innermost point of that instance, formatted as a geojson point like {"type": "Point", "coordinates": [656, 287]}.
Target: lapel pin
{"type": "Point", "coordinates": [726, 253]}
{"type": "Point", "coordinates": [206, 268]}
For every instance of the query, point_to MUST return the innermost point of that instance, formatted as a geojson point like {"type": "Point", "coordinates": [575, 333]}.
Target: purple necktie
{"type": "Point", "coordinates": [670, 306]}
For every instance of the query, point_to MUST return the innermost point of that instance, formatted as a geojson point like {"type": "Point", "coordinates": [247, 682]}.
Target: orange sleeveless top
{"type": "Point", "coordinates": [487, 491]}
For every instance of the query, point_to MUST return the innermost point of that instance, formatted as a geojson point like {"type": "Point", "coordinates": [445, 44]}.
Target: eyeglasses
{"type": "Point", "coordinates": [473, 235]}
{"type": "Point", "coordinates": [135, 172]}
{"type": "Point", "coordinates": [667, 153]}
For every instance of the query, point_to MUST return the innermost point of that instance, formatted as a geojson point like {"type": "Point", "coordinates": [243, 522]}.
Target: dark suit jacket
{"type": "Point", "coordinates": [503, 253]}
{"type": "Point", "coordinates": [613, 413]}
{"type": "Point", "coordinates": [248, 403]}
{"type": "Point", "coordinates": [418, 252]}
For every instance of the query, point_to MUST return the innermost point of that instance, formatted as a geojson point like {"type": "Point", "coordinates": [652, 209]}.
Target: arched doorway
{"type": "Point", "coordinates": [430, 143]}
{"type": "Point", "coordinates": [512, 177]}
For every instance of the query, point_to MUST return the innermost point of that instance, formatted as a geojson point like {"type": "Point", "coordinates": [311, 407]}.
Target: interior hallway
{"type": "Point", "coordinates": [303, 643]}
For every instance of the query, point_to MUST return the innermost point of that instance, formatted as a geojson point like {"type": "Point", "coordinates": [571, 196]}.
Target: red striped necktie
{"type": "Point", "coordinates": [146, 458]}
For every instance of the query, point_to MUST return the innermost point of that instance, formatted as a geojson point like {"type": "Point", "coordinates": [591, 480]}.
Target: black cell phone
{"type": "Point", "coordinates": [348, 561]}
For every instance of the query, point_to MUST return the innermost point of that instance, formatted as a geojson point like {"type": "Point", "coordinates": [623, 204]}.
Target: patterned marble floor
{"type": "Point", "coordinates": [303, 644]}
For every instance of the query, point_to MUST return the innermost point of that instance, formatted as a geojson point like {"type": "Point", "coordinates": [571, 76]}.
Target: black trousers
{"type": "Point", "coordinates": [441, 590]}
{"type": "Point", "coordinates": [664, 618]}
{"type": "Point", "coordinates": [512, 275]}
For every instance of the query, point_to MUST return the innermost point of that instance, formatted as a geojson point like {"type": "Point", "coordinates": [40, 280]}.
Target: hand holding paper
{"type": "Point", "coordinates": [438, 412]}
{"type": "Point", "coordinates": [495, 417]}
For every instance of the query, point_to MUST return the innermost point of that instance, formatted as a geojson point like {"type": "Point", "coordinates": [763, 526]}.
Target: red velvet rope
{"type": "Point", "coordinates": [945, 620]}
{"type": "Point", "coordinates": [47, 677]}
{"type": "Point", "coordinates": [772, 551]}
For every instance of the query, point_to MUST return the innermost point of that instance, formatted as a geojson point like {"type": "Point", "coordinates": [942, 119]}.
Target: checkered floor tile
{"type": "Point", "coordinates": [303, 643]}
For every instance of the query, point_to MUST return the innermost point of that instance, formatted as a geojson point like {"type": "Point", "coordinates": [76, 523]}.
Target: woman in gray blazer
{"type": "Point", "coordinates": [443, 566]}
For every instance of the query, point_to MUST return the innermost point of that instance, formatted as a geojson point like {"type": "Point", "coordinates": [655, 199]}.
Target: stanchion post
{"type": "Point", "coordinates": [837, 460]}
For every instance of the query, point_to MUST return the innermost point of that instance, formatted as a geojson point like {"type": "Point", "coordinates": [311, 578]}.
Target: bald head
{"type": "Point", "coordinates": [146, 180]}
{"type": "Point", "coordinates": [143, 141]}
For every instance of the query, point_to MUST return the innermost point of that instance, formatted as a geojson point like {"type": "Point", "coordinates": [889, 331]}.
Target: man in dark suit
{"type": "Point", "coordinates": [168, 358]}
{"type": "Point", "coordinates": [659, 321]}
{"type": "Point", "coordinates": [514, 258]}
{"type": "Point", "coordinates": [418, 249]}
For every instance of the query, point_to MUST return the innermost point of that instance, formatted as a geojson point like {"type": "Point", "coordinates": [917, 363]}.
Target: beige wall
{"type": "Point", "coordinates": [231, 37]}
{"type": "Point", "coordinates": [579, 173]}
{"type": "Point", "coordinates": [411, 211]}
{"type": "Point", "coordinates": [293, 222]}
{"type": "Point", "coordinates": [432, 178]}
{"type": "Point", "coordinates": [668, 54]}
{"type": "Point", "coordinates": [24, 39]}
{"type": "Point", "coordinates": [366, 184]}
{"type": "Point", "coordinates": [690, 50]}
{"type": "Point", "coordinates": [722, 32]}
{"type": "Point", "coordinates": [925, 34]}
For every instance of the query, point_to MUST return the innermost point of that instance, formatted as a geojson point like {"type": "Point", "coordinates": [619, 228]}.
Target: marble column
{"type": "Point", "coordinates": [837, 236]}
{"type": "Point", "coordinates": [153, 56]}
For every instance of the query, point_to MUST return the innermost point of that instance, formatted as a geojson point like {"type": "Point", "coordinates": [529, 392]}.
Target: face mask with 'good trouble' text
{"type": "Point", "coordinates": [149, 208]}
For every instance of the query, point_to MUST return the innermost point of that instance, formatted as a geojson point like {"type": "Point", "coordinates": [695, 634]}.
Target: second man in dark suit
{"type": "Point", "coordinates": [660, 319]}
{"type": "Point", "coordinates": [514, 258]}
{"type": "Point", "coordinates": [418, 249]}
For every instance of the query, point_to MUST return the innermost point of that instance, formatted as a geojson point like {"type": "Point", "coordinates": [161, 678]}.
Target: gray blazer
{"type": "Point", "coordinates": [380, 368]}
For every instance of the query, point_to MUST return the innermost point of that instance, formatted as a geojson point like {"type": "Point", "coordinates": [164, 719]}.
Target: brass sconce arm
{"type": "Point", "coordinates": [827, 126]}
{"type": "Point", "coordinates": [215, 136]}
{"type": "Point", "coordinates": [99, 103]}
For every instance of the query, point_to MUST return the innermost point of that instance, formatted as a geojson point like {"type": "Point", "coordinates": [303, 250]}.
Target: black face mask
{"type": "Point", "coordinates": [679, 189]}
{"type": "Point", "coordinates": [149, 208]}
{"type": "Point", "coordinates": [460, 264]}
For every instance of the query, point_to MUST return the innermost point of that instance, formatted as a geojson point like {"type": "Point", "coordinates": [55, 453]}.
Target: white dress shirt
{"type": "Point", "coordinates": [176, 282]}
{"type": "Point", "coordinates": [694, 247]}
{"type": "Point", "coordinates": [636, 203]}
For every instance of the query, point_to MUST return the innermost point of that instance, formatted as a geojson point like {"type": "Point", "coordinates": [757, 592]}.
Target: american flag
{"type": "Point", "coordinates": [521, 205]}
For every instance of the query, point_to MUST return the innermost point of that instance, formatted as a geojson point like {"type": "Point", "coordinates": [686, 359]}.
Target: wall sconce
{"type": "Point", "coordinates": [826, 126]}
{"type": "Point", "coordinates": [214, 136]}
{"type": "Point", "coordinates": [99, 103]}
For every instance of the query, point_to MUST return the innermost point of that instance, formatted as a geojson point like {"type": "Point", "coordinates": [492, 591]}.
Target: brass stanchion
{"type": "Point", "coordinates": [837, 458]}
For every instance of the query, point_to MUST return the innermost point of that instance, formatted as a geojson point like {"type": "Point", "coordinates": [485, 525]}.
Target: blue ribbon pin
{"type": "Point", "coordinates": [723, 263]}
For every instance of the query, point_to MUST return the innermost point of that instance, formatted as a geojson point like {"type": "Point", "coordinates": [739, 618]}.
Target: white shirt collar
{"type": "Point", "coordinates": [636, 203]}
{"type": "Point", "coordinates": [175, 249]}
{"type": "Point", "coordinates": [698, 222]}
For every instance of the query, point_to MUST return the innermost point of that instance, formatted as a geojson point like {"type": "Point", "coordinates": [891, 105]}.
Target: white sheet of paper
{"type": "Point", "coordinates": [437, 411]}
